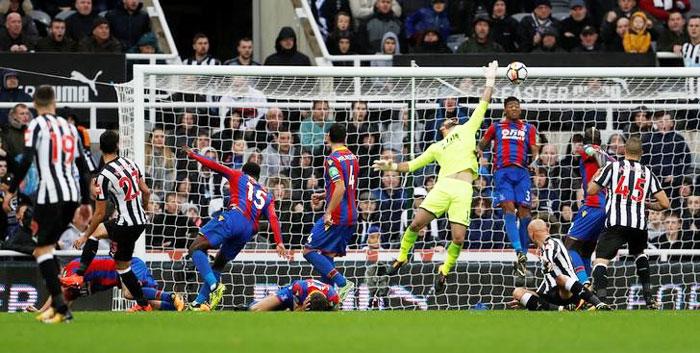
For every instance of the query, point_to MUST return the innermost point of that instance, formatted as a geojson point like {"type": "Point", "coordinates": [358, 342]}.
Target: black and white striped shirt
{"type": "Point", "coordinates": [55, 145]}
{"type": "Point", "coordinates": [119, 180]}
{"type": "Point", "coordinates": [208, 60]}
{"type": "Point", "coordinates": [555, 262]}
{"type": "Point", "coordinates": [691, 54]}
{"type": "Point", "coordinates": [629, 185]}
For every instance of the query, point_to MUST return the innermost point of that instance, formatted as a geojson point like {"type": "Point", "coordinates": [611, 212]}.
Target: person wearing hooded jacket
{"type": "Point", "coordinates": [286, 50]}
{"type": "Point", "coordinates": [10, 92]}
{"type": "Point", "coordinates": [129, 23]}
{"type": "Point", "coordinates": [432, 43]}
{"type": "Point", "coordinates": [390, 46]}
{"type": "Point", "coordinates": [382, 21]}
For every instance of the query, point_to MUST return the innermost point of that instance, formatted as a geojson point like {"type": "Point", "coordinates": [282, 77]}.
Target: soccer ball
{"type": "Point", "coordinates": [516, 72]}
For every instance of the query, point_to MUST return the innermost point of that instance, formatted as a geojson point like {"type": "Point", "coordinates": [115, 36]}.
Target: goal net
{"type": "Point", "coordinates": [277, 117]}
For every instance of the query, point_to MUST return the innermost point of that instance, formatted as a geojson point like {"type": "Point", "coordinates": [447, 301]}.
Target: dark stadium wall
{"type": "Point", "coordinates": [223, 21]}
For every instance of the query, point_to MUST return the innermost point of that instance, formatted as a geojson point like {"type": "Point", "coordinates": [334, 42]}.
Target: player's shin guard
{"type": "Point", "coordinates": [512, 230]}
{"type": "Point", "coordinates": [579, 266]}
{"type": "Point", "coordinates": [49, 270]}
{"type": "Point", "coordinates": [524, 238]}
{"type": "Point", "coordinates": [576, 288]}
{"type": "Point", "coordinates": [453, 251]}
{"type": "Point", "coordinates": [201, 262]}
{"type": "Point", "coordinates": [600, 281]}
{"type": "Point", "coordinates": [407, 242]}
{"type": "Point", "coordinates": [89, 252]}
{"type": "Point", "coordinates": [129, 280]}
{"type": "Point", "coordinates": [642, 263]}
{"type": "Point", "coordinates": [325, 267]}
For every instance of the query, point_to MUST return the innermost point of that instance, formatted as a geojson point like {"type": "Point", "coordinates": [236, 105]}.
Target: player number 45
{"type": "Point", "coordinates": [623, 190]}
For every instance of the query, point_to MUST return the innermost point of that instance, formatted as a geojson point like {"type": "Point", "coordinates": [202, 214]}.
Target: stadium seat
{"type": "Point", "coordinates": [63, 15]}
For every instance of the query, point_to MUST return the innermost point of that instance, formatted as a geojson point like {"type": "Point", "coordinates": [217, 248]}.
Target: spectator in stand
{"type": "Point", "coordinates": [343, 46]}
{"type": "Point", "coordinates": [588, 41]}
{"type": "Point", "coordinates": [367, 152]}
{"type": "Point", "coordinates": [23, 8]}
{"type": "Point", "coordinates": [239, 153]}
{"type": "Point", "coordinates": [324, 13]}
{"type": "Point", "coordinates": [358, 125]}
{"type": "Point", "coordinates": [362, 10]}
{"type": "Point", "coordinates": [675, 35]}
{"type": "Point", "coordinates": [566, 216]}
{"type": "Point", "coordinates": [481, 41]}
{"type": "Point", "coordinates": [206, 185]}
{"type": "Point", "coordinates": [286, 50]}
{"type": "Point", "coordinates": [129, 22]}
{"type": "Point", "coordinates": [56, 41]}
{"type": "Point", "coordinates": [13, 38]}
{"type": "Point", "coordinates": [366, 216]}
{"type": "Point", "coordinates": [638, 38]}
{"type": "Point", "coordinates": [691, 215]}
{"type": "Point", "coordinates": [341, 24]}
{"type": "Point", "coordinates": [313, 130]}
{"type": "Point", "coordinates": [532, 27]}
{"type": "Point", "coordinates": [383, 20]}
{"type": "Point", "coordinates": [396, 133]}
{"type": "Point", "coordinates": [289, 212]}
{"type": "Point", "coordinates": [549, 42]}
{"type": "Point", "coordinates": [244, 92]}
{"type": "Point", "coordinates": [390, 46]}
{"type": "Point", "coordinates": [80, 24]}
{"type": "Point", "coordinates": [304, 175]}
{"type": "Point", "coordinates": [504, 28]}
{"type": "Point", "coordinates": [277, 156]}
{"type": "Point", "coordinates": [680, 193]}
{"type": "Point", "coordinates": [147, 44]}
{"type": "Point", "coordinates": [244, 48]}
{"type": "Point", "coordinates": [159, 164]}
{"type": "Point", "coordinates": [673, 237]}
{"type": "Point", "coordinates": [167, 226]}
{"type": "Point", "coordinates": [616, 146]}
{"type": "Point", "coordinates": [186, 132]}
{"type": "Point", "coordinates": [432, 43]}
{"type": "Point", "coordinates": [433, 17]}
{"type": "Point", "coordinates": [624, 8]}
{"type": "Point", "coordinates": [391, 197]}
{"type": "Point", "coordinates": [655, 225]}
{"type": "Point", "coordinates": [101, 40]}
{"type": "Point", "coordinates": [200, 46]}
{"type": "Point", "coordinates": [13, 133]}
{"type": "Point", "coordinates": [661, 10]}
{"type": "Point", "coordinates": [572, 26]}
{"type": "Point", "coordinates": [691, 49]}
{"type": "Point", "coordinates": [640, 123]}
{"type": "Point", "coordinates": [485, 230]}
{"type": "Point", "coordinates": [10, 92]}
{"type": "Point", "coordinates": [267, 128]}
{"type": "Point", "coordinates": [614, 35]}
{"type": "Point", "coordinates": [665, 150]}
{"type": "Point", "coordinates": [546, 193]}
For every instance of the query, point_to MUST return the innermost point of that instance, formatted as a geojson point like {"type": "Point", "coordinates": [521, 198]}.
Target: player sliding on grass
{"type": "Point", "coordinates": [102, 275]}
{"type": "Point", "coordinates": [456, 156]}
{"type": "Point", "coordinates": [301, 295]}
{"type": "Point", "coordinates": [231, 229]}
{"type": "Point", "coordinates": [560, 286]}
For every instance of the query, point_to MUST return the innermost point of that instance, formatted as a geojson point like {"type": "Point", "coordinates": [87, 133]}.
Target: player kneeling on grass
{"type": "Point", "coordinates": [102, 275]}
{"type": "Point", "coordinates": [301, 295]}
{"type": "Point", "coordinates": [560, 286]}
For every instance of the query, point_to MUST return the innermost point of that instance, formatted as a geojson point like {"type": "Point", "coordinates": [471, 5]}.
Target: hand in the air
{"type": "Point", "coordinates": [382, 165]}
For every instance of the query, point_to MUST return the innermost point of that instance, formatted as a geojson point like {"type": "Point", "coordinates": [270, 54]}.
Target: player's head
{"type": "Point", "coordinates": [251, 169]}
{"type": "Point", "coordinates": [45, 97]}
{"type": "Point", "coordinates": [538, 230]}
{"type": "Point", "coordinates": [336, 134]}
{"type": "Point", "coordinates": [109, 142]}
{"type": "Point", "coordinates": [317, 301]}
{"type": "Point", "coordinates": [591, 136]}
{"type": "Point", "coordinates": [511, 108]}
{"type": "Point", "coordinates": [633, 148]}
{"type": "Point", "coordinates": [448, 124]}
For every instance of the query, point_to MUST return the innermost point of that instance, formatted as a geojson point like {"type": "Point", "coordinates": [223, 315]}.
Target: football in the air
{"type": "Point", "coordinates": [516, 72]}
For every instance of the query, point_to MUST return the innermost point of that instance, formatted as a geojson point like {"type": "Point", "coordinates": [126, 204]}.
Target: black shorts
{"type": "Point", "coordinates": [51, 220]}
{"type": "Point", "coordinates": [554, 297]}
{"type": "Point", "coordinates": [123, 239]}
{"type": "Point", "coordinates": [612, 239]}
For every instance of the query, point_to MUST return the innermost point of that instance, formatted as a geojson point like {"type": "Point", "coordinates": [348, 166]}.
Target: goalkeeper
{"type": "Point", "coordinates": [456, 156]}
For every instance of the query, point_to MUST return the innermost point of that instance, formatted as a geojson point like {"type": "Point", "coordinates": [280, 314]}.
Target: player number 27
{"type": "Point", "coordinates": [260, 195]}
{"type": "Point", "coordinates": [623, 190]}
{"type": "Point", "coordinates": [131, 191]}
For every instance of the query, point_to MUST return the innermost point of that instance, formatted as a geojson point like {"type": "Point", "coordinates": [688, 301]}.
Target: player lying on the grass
{"type": "Point", "coordinates": [230, 229]}
{"type": "Point", "coordinates": [560, 286]}
{"type": "Point", "coordinates": [102, 275]}
{"type": "Point", "coordinates": [301, 295]}
{"type": "Point", "coordinates": [456, 156]}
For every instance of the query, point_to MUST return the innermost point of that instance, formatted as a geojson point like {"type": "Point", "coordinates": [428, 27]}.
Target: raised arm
{"type": "Point", "coordinates": [477, 118]}
{"type": "Point", "coordinates": [206, 162]}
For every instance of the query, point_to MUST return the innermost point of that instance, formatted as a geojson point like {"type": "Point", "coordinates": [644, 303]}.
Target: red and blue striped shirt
{"type": "Point", "coordinates": [342, 165]}
{"type": "Point", "coordinates": [512, 142]}
{"type": "Point", "coordinates": [589, 166]}
{"type": "Point", "coordinates": [303, 287]}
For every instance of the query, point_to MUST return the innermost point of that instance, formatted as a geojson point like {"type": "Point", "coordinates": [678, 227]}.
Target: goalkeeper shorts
{"type": "Point", "coordinates": [452, 196]}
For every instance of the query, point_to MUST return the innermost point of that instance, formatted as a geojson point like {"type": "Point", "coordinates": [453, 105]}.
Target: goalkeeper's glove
{"type": "Point", "coordinates": [383, 165]}
{"type": "Point", "coordinates": [490, 73]}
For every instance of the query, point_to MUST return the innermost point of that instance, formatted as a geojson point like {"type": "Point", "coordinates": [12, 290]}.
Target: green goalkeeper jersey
{"type": "Point", "coordinates": [457, 151]}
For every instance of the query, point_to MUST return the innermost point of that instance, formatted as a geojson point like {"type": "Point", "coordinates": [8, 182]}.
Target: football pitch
{"type": "Point", "coordinates": [395, 331]}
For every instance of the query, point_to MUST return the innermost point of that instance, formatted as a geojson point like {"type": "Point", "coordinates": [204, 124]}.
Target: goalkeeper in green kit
{"type": "Point", "coordinates": [456, 154]}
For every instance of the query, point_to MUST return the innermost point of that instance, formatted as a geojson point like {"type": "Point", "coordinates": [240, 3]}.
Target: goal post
{"type": "Point", "coordinates": [560, 101]}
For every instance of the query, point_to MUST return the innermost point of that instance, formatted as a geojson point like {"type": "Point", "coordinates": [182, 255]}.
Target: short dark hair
{"type": "Point", "coordinates": [44, 96]}
{"type": "Point", "coordinates": [56, 19]}
{"type": "Point", "coordinates": [591, 136]}
{"type": "Point", "coordinates": [355, 103]}
{"type": "Point", "coordinates": [244, 39]}
{"type": "Point", "coordinates": [318, 302]}
{"type": "Point", "coordinates": [510, 99]}
{"type": "Point", "coordinates": [313, 104]}
{"type": "Point", "coordinates": [251, 169]}
{"type": "Point", "coordinates": [198, 36]}
{"type": "Point", "coordinates": [109, 141]}
{"type": "Point", "coordinates": [694, 17]}
{"type": "Point", "coordinates": [337, 133]}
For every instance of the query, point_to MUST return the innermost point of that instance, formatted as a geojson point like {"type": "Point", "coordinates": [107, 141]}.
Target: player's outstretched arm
{"type": "Point", "coordinates": [477, 117]}
{"type": "Point", "coordinates": [269, 303]}
{"type": "Point", "coordinates": [419, 162]}
{"type": "Point", "coordinates": [217, 167]}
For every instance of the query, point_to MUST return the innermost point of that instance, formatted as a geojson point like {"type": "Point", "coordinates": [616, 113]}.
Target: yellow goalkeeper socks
{"type": "Point", "coordinates": [453, 251]}
{"type": "Point", "coordinates": [407, 241]}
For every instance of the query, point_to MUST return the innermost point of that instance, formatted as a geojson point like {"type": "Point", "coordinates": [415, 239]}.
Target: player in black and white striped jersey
{"type": "Point", "coordinates": [120, 180]}
{"type": "Point", "coordinates": [560, 286]}
{"type": "Point", "coordinates": [629, 185]}
{"type": "Point", "coordinates": [54, 145]}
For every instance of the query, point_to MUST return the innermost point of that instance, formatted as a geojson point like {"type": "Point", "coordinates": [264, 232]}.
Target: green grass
{"type": "Point", "coordinates": [425, 332]}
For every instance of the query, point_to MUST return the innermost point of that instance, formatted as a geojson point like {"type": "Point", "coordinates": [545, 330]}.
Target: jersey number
{"type": "Point", "coordinates": [623, 190]}
{"type": "Point", "coordinates": [131, 191]}
{"type": "Point", "coordinates": [260, 196]}
{"type": "Point", "coordinates": [67, 146]}
{"type": "Point", "coordinates": [351, 178]}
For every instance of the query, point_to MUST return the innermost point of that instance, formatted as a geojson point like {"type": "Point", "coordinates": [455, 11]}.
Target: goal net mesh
{"type": "Point", "coordinates": [279, 123]}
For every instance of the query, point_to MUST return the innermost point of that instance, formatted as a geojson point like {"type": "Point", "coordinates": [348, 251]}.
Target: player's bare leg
{"type": "Point", "coordinates": [459, 233]}
{"type": "Point", "coordinates": [571, 286]}
{"type": "Point", "coordinates": [269, 303]}
{"type": "Point", "coordinates": [420, 220]}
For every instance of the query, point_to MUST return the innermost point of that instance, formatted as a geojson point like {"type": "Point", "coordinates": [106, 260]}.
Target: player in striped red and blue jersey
{"type": "Point", "coordinates": [331, 233]}
{"type": "Point", "coordinates": [590, 219]}
{"type": "Point", "coordinates": [301, 295]}
{"type": "Point", "coordinates": [231, 228]}
{"type": "Point", "coordinates": [514, 141]}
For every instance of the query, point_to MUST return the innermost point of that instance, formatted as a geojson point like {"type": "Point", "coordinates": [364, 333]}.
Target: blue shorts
{"type": "Point", "coordinates": [143, 274]}
{"type": "Point", "coordinates": [332, 240]}
{"type": "Point", "coordinates": [229, 230]}
{"type": "Point", "coordinates": [512, 184]}
{"type": "Point", "coordinates": [286, 297]}
{"type": "Point", "coordinates": [588, 223]}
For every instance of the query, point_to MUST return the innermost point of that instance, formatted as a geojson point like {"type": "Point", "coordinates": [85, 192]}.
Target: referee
{"type": "Point", "coordinates": [628, 184]}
